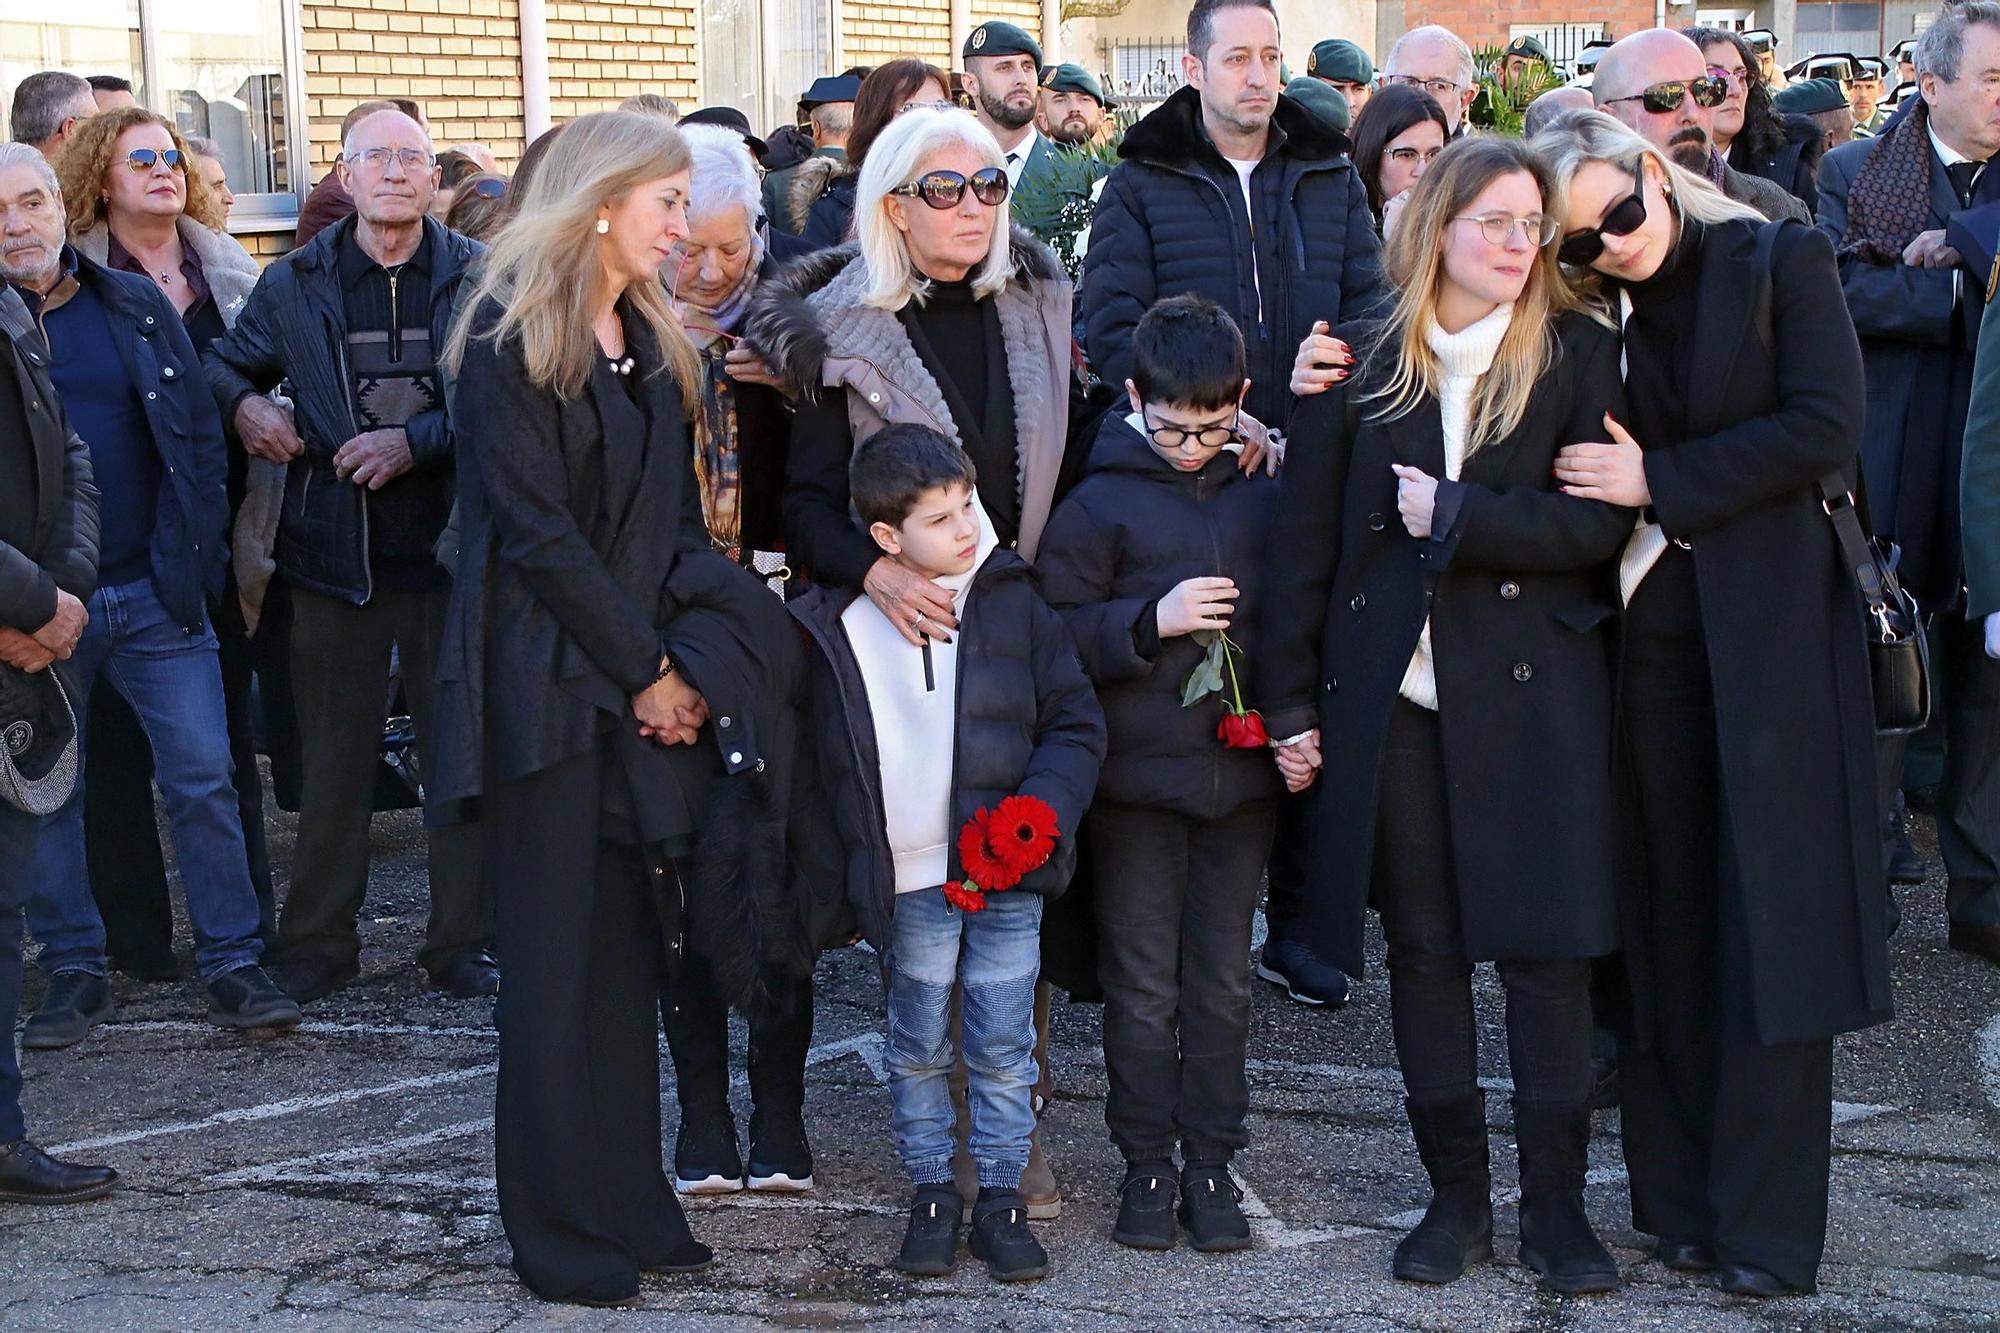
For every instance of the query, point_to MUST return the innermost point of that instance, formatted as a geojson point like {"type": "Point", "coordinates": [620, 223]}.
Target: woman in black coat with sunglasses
{"type": "Point", "coordinates": [1754, 913]}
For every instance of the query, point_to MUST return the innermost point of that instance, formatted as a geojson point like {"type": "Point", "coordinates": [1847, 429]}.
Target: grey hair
{"type": "Point", "coordinates": [43, 101]}
{"type": "Point", "coordinates": [721, 173]}
{"type": "Point", "coordinates": [27, 155]}
{"type": "Point", "coordinates": [1941, 46]}
{"type": "Point", "coordinates": [898, 156]}
{"type": "Point", "coordinates": [653, 104]}
{"type": "Point", "coordinates": [1468, 70]}
{"type": "Point", "coordinates": [203, 147]}
{"type": "Point", "coordinates": [834, 117]}
{"type": "Point", "coordinates": [347, 139]}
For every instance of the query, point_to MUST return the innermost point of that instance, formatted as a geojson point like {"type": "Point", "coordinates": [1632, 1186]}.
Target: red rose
{"type": "Point", "coordinates": [1243, 731]}
{"type": "Point", "coordinates": [964, 899]}
{"type": "Point", "coordinates": [977, 858]}
{"type": "Point", "coordinates": [1022, 834]}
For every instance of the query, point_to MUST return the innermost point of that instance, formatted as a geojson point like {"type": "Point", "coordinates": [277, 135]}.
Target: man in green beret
{"type": "Point", "coordinates": [1003, 67]}
{"type": "Point", "coordinates": [1073, 107]}
{"type": "Point", "coordinates": [1823, 102]}
{"type": "Point", "coordinates": [1521, 55]}
{"type": "Point", "coordinates": [1323, 100]}
{"type": "Point", "coordinates": [1347, 68]}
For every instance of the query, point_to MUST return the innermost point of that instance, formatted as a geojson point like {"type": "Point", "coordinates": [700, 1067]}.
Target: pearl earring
{"type": "Point", "coordinates": [604, 226]}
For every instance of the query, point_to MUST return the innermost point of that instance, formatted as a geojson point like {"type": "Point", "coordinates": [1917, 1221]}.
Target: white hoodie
{"type": "Point", "coordinates": [914, 704]}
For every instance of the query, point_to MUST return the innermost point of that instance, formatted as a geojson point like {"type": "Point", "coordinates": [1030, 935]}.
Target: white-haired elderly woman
{"type": "Point", "coordinates": [943, 314]}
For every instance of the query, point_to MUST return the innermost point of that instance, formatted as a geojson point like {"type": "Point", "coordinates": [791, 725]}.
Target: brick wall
{"type": "Point", "coordinates": [1482, 23]}
{"type": "Point", "coordinates": [601, 54]}
{"type": "Point", "coordinates": [874, 31]}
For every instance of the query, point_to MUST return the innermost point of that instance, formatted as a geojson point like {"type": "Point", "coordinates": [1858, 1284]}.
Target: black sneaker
{"type": "Point", "coordinates": [930, 1242]}
{"type": "Point", "coordinates": [76, 1003]}
{"type": "Point", "coordinates": [247, 998]}
{"type": "Point", "coordinates": [310, 977]}
{"type": "Point", "coordinates": [1146, 1208]}
{"type": "Point", "coordinates": [781, 1161]}
{"type": "Point", "coordinates": [1001, 1239]}
{"type": "Point", "coordinates": [1289, 963]}
{"type": "Point", "coordinates": [1212, 1210]}
{"type": "Point", "coordinates": [705, 1157]}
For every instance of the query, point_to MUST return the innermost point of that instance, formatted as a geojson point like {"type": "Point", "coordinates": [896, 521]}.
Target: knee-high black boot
{"type": "Point", "coordinates": [1457, 1229]}
{"type": "Point", "coordinates": [1556, 1239]}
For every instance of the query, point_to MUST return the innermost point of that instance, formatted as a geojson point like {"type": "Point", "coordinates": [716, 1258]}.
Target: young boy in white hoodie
{"type": "Point", "coordinates": [916, 739]}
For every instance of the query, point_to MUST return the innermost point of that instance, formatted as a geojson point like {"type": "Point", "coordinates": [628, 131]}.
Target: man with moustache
{"type": "Point", "coordinates": [1073, 107]}
{"type": "Point", "coordinates": [1657, 82]}
{"type": "Point", "coordinates": [1003, 67]}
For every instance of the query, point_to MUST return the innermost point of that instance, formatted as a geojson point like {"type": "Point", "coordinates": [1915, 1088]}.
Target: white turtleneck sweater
{"type": "Point", "coordinates": [1464, 357]}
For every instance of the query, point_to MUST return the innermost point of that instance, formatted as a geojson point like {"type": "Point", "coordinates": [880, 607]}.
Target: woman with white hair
{"type": "Point", "coordinates": [741, 434]}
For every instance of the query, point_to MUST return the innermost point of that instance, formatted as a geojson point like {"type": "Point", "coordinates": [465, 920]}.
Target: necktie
{"type": "Point", "coordinates": [1962, 176]}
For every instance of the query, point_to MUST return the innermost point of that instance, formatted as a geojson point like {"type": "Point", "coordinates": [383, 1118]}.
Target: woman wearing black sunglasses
{"type": "Point", "coordinates": [1754, 911]}
{"type": "Point", "coordinates": [1442, 677]}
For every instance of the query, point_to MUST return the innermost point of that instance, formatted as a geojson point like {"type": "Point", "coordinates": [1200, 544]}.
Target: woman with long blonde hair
{"type": "Point", "coordinates": [1441, 670]}
{"type": "Point", "coordinates": [574, 688]}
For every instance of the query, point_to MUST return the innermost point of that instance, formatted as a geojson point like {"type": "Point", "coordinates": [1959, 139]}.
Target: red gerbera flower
{"type": "Point", "coordinates": [964, 899]}
{"type": "Point", "coordinates": [1022, 834]}
{"type": "Point", "coordinates": [977, 859]}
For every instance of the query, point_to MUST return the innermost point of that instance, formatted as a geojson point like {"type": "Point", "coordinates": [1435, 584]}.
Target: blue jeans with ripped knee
{"type": "Point", "coordinates": [995, 954]}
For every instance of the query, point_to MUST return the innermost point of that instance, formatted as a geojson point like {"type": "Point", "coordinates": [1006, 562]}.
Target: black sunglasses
{"type": "Point", "coordinates": [943, 189]}
{"type": "Point", "coordinates": [1581, 249]}
{"type": "Point", "coordinates": [144, 159]}
{"type": "Point", "coordinates": [490, 188]}
{"type": "Point", "coordinates": [1661, 98]}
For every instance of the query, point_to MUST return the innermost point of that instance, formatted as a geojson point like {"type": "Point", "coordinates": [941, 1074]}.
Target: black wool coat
{"type": "Point", "coordinates": [48, 518]}
{"type": "Point", "coordinates": [1774, 404]}
{"type": "Point", "coordinates": [1027, 724]}
{"type": "Point", "coordinates": [1518, 582]}
{"type": "Point", "coordinates": [1134, 527]}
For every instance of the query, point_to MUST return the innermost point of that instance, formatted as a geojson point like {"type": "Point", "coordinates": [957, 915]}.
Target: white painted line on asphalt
{"type": "Point", "coordinates": [359, 1153]}
{"type": "Point", "coordinates": [273, 1110]}
{"type": "Point", "coordinates": [310, 1029]}
{"type": "Point", "coordinates": [1357, 1076]}
{"type": "Point", "coordinates": [1986, 1048]}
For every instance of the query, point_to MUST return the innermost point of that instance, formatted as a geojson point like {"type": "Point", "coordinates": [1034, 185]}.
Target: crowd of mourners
{"type": "Point", "coordinates": [1027, 537]}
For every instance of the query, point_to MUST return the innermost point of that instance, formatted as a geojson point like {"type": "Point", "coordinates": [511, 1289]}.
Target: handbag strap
{"type": "Point", "coordinates": [1855, 549]}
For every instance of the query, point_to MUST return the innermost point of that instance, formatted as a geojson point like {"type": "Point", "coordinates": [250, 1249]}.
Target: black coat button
{"type": "Point", "coordinates": [1376, 522]}
{"type": "Point", "coordinates": [1510, 590]}
{"type": "Point", "coordinates": [1523, 672]}
{"type": "Point", "coordinates": [1358, 602]}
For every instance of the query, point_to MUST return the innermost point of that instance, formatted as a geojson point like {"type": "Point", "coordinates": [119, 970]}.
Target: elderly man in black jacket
{"type": "Point", "coordinates": [48, 565]}
{"type": "Point", "coordinates": [1888, 204]}
{"type": "Point", "coordinates": [1233, 192]}
{"type": "Point", "coordinates": [354, 323]}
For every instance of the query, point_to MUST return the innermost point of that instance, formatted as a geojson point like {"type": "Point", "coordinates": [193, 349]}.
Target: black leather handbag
{"type": "Point", "coordinates": [38, 752]}
{"type": "Point", "coordinates": [1899, 658]}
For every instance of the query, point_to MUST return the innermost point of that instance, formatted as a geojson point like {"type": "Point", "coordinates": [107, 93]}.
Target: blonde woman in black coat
{"type": "Point", "coordinates": [1441, 669]}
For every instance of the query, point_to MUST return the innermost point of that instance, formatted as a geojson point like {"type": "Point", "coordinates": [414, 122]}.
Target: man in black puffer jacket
{"type": "Point", "coordinates": [1155, 554]}
{"type": "Point", "coordinates": [1230, 191]}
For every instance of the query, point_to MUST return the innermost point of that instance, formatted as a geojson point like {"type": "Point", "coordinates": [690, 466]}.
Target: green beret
{"type": "Point", "coordinates": [1811, 97]}
{"type": "Point", "coordinates": [1531, 47]}
{"type": "Point", "coordinates": [1073, 79]}
{"type": "Point", "coordinates": [1001, 39]}
{"type": "Point", "coordinates": [1338, 58]}
{"type": "Point", "coordinates": [1323, 100]}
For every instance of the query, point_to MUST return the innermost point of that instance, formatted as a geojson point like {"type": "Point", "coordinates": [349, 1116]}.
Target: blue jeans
{"type": "Point", "coordinates": [995, 955]}
{"type": "Point", "coordinates": [173, 680]}
{"type": "Point", "coordinates": [17, 850]}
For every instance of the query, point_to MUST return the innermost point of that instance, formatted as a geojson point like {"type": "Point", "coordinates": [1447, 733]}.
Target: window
{"type": "Point", "coordinates": [1840, 28]}
{"type": "Point", "coordinates": [217, 67]}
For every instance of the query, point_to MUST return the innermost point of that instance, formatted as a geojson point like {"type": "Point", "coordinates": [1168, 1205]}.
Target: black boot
{"type": "Point", "coordinates": [1457, 1229]}
{"type": "Point", "coordinates": [1556, 1239]}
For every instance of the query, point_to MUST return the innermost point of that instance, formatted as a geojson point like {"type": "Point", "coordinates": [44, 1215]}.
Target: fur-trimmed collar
{"type": "Point", "coordinates": [1171, 135]}
{"type": "Point", "coordinates": [230, 270]}
{"type": "Point", "coordinates": [792, 330]}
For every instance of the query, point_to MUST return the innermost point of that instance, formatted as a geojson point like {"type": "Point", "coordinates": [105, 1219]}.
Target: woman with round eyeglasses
{"type": "Point", "coordinates": [1443, 679]}
{"type": "Point", "coordinates": [1396, 138]}
{"type": "Point", "coordinates": [1748, 130]}
{"type": "Point", "coordinates": [1754, 911]}
{"type": "Point", "coordinates": [822, 200]}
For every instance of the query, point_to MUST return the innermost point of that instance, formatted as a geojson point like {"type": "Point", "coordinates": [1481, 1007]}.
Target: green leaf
{"type": "Point", "coordinates": [1205, 679]}
{"type": "Point", "coordinates": [1205, 637]}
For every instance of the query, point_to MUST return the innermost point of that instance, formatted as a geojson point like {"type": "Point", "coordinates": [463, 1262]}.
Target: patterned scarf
{"type": "Point", "coordinates": [717, 459]}
{"type": "Point", "coordinates": [1890, 199]}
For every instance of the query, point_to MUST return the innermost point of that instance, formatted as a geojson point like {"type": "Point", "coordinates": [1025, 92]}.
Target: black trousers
{"type": "Point", "coordinates": [1728, 1141]}
{"type": "Point", "coordinates": [340, 677]}
{"type": "Point", "coordinates": [121, 838]}
{"type": "Point", "coordinates": [1284, 898]}
{"type": "Point", "coordinates": [697, 1022]}
{"type": "Point", "coordinates": [1415, 889]}
{"type": "Point", "coordinates": [1175, 897]}
{"type": "Point", "coordinates": [583, 1194]}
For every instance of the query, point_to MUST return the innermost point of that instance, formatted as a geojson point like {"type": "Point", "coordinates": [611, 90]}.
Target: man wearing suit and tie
{"type": "Point", "coordinates": [1887, 203]}
{"type": "Point", "coordinates": [1003, 70]}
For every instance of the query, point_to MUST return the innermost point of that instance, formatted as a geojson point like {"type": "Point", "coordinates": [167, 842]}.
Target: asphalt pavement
{"type": "Point", "coordinates": [341, 1177]}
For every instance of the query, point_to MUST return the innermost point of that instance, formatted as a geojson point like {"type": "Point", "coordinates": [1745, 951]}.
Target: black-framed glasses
{"type": "Point", "coordinates": [1499, 228]}
{"type": "Point", "coordinates": [145, 159]}
{"type": "Point", "coordinates": [1438, 88]}
{"type": "Point", "coordinates": [1580, 249]}
{"type": "Point", "coordinates": [943, 189]}
{"type": "Point", "coordinates": [1208, 437]}
{"type": "Point", "coordinates": [1409, 157]}
{"type": "Point", "coordinates": [378, 159]}
{"type": "Point", "coordinates": [1660, 98]}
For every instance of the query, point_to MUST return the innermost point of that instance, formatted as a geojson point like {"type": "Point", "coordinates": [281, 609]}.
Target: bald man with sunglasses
{"type": "Point", "coordinates": [1657, 82]}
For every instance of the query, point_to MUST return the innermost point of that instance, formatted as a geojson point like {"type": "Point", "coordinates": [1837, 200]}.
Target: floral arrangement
{"type": "Point", "coordinates": [997, 849]}
{"type": "Point", "coordinates": [1241, 728]}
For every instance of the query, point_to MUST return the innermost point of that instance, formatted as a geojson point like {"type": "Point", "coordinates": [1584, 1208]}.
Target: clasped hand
{"type": "Point", "coordinates": [670, 710]}
{"type": "Point", "coordinates": [1299, 763]}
